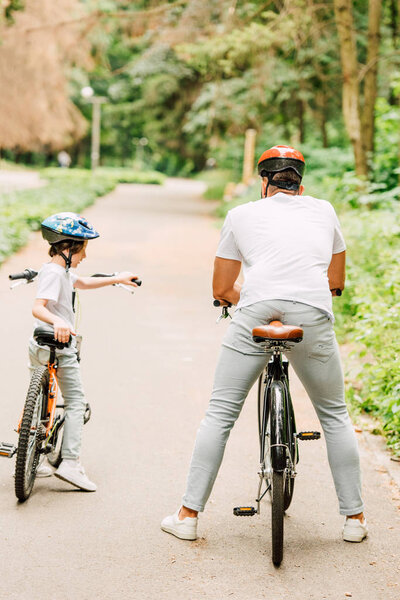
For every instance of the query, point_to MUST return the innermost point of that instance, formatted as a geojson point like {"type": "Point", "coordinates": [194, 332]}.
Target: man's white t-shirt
{"type": "Point", "coordinates": [285, 244]}
{"type": "Point", "coordinates": [56, 285]}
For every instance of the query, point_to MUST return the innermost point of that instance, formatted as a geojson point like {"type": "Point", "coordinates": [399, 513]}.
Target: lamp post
{"type": "Point", "coordinates": [96, 102]}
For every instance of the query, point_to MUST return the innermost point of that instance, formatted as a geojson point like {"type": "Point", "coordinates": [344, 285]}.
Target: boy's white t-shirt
{"type": "Point", "coordinates": [285, 244]}
{"type": "Point", "coordinates": [56, 285]}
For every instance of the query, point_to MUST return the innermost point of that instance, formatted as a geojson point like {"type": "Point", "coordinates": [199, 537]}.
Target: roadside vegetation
{"type": "Point", "coordinates": [67, 190]}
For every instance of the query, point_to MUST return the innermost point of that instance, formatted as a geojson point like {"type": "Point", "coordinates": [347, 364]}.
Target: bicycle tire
{"type": "Point", "coordinates": [279, 460]}
{"type": "Point", "coordinates": [28, 451]}
{"type": "Point", "coordinates": [277, 517]}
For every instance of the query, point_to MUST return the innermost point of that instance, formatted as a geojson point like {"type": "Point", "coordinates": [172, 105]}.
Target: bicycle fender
{"type": "Point", "coordinates": [278, 426]}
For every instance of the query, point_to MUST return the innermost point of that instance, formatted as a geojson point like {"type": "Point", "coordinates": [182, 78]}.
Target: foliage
{"type": "Point", "coordinates": [67, 190]}
{"type": "Point", "coordinates": [36, 48]}
{"type": "Point", "coordinates": [370, 311]}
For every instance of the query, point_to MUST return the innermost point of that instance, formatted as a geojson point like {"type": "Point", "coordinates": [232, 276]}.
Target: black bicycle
{"type": "Point", "coordinates": [276, 428]}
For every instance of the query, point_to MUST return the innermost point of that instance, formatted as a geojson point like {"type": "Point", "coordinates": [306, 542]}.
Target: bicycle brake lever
{"type": "Point", "coordinates": [21, 282]}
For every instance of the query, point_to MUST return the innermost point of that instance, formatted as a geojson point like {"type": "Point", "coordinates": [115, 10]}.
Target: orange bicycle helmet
{"type": "Point", "coordinates": [278, 159]}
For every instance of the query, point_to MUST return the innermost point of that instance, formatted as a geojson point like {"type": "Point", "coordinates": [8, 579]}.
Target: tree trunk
{"type": "Point", "coordinates": [370, 83]}
{"type": "Point", "coordinates": [301, 109]}
{"type": "Point", "coordinates": [351, 93]}
{"type": "Point", "coordinates": [320, 100]}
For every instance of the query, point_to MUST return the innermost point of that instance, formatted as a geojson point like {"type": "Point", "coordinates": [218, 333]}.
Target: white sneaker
{"type": "Point", "coordinates": [185, 529]}
{"type": "Point", "coordinates": [72, 472]}
{"type": "Point", "coordinates": [354, 530]}
{"type": "Point", "coordinates": [44, 471]}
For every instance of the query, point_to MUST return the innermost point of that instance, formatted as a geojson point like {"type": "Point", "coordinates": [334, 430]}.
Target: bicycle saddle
{"type": "Point", "coordinates": [44, 336]}
{"type": "Point", "coordinates": [277, 331]}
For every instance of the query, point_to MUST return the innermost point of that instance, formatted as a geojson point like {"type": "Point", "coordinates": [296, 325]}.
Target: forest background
{"type": "Point", "coordinates": [182, 82]}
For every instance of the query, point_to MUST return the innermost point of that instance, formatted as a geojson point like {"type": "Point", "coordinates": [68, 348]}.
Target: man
{"type": "Point", "coordinates": [293, 257]}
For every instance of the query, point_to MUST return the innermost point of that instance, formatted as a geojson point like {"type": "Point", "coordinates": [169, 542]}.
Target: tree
{"type": "Point", "coordinates": [36, 51]}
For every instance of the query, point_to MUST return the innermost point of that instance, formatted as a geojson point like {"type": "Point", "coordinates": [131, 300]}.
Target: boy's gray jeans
{"type": "Point", "coordinates": [316, 361]}
{"type": "Point", "coordinates": [69, 379]}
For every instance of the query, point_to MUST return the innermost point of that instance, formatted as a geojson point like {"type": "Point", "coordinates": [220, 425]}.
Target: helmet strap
{"type": "Point", "coordinates": [67, 259]}
{"type": "Point", "coordinates": [282, 185]}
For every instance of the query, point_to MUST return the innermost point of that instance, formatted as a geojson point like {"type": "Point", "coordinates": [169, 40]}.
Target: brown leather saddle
{"type": "Point", "coordinates": [277, 332]}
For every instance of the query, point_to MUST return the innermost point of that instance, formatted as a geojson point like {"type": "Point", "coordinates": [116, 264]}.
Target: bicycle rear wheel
{"type": "Point", "coordinates": [31, 434]}
{"type": "Point", "coordinates": [279, 462]}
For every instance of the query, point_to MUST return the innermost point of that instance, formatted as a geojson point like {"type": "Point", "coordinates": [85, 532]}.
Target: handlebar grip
{"type": "Point", "coordinates": [218, 303]}
{"type": "Point", "coordinates": [137, 281]}
{"type": "Point", "coordinates": [17, 276]}
{"type": "Point", "coordinates": [27, 274]}
{"type": "Point", "coordinates": [338, 291]}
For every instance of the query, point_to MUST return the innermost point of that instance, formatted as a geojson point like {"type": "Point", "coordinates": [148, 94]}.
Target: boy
{"type": "Point", "coordinates": [68, 235]}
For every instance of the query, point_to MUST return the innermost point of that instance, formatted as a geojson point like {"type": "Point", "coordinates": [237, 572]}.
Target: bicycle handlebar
{"type": "Point", "coordinates": [28, 274]}
{"type": "Point", "coordinates": [137, 281]}
{"type": "Point", "coordinates": [217, 303]}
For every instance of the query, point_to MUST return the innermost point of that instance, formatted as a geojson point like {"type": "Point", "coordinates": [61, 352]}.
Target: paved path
{"type": "Point", "coordinates": [148, 363]}
{"type": "Point", "coordinates": [19, 180]}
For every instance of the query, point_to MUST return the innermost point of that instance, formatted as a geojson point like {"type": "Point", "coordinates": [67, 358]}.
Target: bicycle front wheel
{"type": "Point", "coordinates": [277, 514]}
{"type": "Point", "coordinates": [31, 434]}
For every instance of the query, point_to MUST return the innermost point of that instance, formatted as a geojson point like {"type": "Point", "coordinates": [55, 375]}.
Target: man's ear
{"type": "Point", "coordinates": [301, 190]}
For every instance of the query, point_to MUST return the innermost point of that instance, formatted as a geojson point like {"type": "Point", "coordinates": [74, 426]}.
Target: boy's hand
{"type": "Point", "coordinates": [62, 330]}
{"type": "Point", "coordinates": [126, 278]}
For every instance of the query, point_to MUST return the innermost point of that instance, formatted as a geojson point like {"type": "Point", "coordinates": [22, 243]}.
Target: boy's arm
{"type": "Point", "coordinates": [92, 283]}
{"type": "Point", "coordinates": [62, 331]}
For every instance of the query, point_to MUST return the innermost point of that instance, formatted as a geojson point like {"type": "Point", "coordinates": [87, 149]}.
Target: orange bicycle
{"type": "Point", "coordinates": [41, 426]}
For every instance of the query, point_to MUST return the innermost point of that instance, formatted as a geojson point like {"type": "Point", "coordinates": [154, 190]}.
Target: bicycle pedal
{"type": "Point", "coordinates": [308, 435]}
{"type": "Point", "coordinates": [7, 450]}
{"type": "Point", "coordinates": [244, 511]}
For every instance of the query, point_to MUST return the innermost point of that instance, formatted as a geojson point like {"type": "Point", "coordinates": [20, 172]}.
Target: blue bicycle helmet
{"type": "Point", "coordinates": [67, 226]}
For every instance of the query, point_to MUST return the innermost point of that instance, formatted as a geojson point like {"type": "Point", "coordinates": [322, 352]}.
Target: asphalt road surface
{"type": "Point", "coordinates": [148, 364]}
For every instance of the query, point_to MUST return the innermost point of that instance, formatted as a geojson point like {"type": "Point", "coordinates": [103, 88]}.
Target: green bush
{"type": "Point", "coordinates": [113, 174]}
{"type": "Point", "coordinates": [368, 313]}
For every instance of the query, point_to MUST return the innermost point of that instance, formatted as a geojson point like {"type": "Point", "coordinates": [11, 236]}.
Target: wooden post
{"type": "Point", "coordinates": [248, 159]}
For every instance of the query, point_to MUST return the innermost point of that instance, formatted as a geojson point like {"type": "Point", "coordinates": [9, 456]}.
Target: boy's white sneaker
{"type": "Point", "coordinates": [44, 471]}
{"type": "Point", "coordinates": [354, 530]}
{"type": "Point", "coordinates": [185, 529]}
{"type": "Point", "coordinates": [72, 472]}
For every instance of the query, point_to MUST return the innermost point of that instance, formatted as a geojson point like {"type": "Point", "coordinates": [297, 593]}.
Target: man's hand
{"type": "Point", "coordinates": [126, 278]}
{"type": "Point", "coordinates": [62, 330]}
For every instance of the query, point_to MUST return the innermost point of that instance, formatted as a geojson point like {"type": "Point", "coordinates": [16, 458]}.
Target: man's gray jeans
{"type": "Point", "coordinates": [69, 379]}
{"type": "Point", "coordinates": [316, 362]}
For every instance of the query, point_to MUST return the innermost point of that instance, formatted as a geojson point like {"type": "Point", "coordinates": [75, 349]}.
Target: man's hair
{"type": "Point", "coordinates": [66, 245]}
{"type": "Point", "coordinates": [287, 175]}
